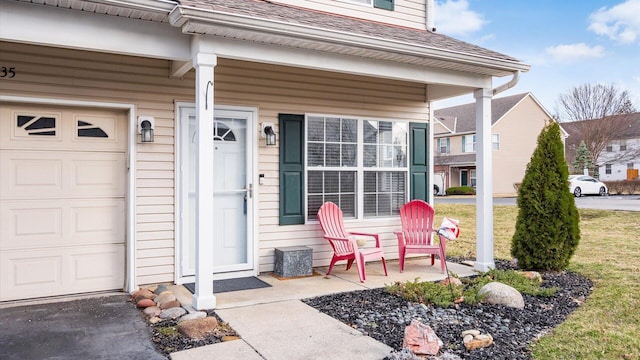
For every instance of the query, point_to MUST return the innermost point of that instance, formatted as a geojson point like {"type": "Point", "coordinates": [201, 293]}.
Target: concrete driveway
{"type": "Point", "coordinates": [105, 327]}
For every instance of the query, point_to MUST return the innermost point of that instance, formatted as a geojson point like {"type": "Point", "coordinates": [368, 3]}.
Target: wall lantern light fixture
{"type": "Point", "coordinates": [269, 133]}
{"type": "Point", "coordinates": [146, 124]}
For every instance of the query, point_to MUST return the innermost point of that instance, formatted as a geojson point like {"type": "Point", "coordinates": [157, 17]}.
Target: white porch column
{"type": "Point", "coordinates": [203, 297]}
{"type": "Point", "coordinates": [484, 181]}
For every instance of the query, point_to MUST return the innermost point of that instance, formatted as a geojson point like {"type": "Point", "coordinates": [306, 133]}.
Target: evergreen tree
{"type": "Point", "coordinates": [547, 228]}
{"type": "Point", "coordinates": [583, 158]}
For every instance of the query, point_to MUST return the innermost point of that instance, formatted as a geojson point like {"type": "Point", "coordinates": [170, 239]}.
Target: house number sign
{"type": "Point", "coordinates": [7, 72]}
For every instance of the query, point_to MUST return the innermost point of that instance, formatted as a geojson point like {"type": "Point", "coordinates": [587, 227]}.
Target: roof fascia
{"type": "Point", "coordinates": [162, 6]}
{"type": "Point", "coordinates": [443, 125]}
{"type": "Point", "coordinates": [511, 109]}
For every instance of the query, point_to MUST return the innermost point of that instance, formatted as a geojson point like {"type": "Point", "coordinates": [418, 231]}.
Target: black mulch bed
{"type": "Point", "coordinates": [384, 316]}
{"type": "Point", "coordinates": [167, 339]}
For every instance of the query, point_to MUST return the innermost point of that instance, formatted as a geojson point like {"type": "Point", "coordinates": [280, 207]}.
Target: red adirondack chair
{"type": "Point", "coordinates": [417, 233]}
{"type": "Point", "coordinates": [342, 241]}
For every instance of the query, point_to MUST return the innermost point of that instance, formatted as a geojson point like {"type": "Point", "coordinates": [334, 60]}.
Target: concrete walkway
{"type": "Point", "coordinates": [275, 325]}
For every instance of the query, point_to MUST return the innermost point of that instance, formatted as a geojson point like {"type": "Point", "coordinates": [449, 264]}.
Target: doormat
{"type": "Point", "coordinates": [228, 285]}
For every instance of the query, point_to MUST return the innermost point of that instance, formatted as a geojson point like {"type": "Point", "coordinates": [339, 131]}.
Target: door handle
{"type": "Point", "coordinates": [250, 191]}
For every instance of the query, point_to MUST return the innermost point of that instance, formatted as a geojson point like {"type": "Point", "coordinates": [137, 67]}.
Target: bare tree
{"type": "Point", "coordinates": [597, 114]}
{"type": "Point", "coordinates": [441, 161]}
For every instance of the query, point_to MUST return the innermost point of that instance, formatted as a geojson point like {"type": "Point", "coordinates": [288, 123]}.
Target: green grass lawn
{"type": "Point", "coordinates": [607, 326]}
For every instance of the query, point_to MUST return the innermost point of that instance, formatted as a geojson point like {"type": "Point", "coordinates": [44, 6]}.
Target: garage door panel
{"type": "Point", "coordinates": [42, 127]}
{"type": "Point", "coordinates": [97, 175]}
{"type": "Point", "coordinates": [51, 272]}
{"type": "Point", "coordinates": [28, 224]}
{"type": "Point", "coordinates": [37, 271]}
{"type": "Point", "coordinates": [44, 174]}
{"type": "Point", "coordinates": [98, 221]}
{"type": "Point", "coordinates": [61, 223]}
{"type": "Point", "coordinates": [30, 173]}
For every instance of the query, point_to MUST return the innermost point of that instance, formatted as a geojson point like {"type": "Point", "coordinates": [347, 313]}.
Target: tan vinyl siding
{"type": "Point", "coordinates": [409, 13]}
{"type": "Point", "coordinates": [519, 130]}
{"type": "Point", "coordinates": [44, 72]}
{"type": "Point", "coordinates": [276, 89]}
{"type": "Point", "coordinates": [83, 76]}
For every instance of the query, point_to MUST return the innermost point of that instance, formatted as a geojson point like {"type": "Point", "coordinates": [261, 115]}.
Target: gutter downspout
{"type": "Point", "coordinates": [514, 80]}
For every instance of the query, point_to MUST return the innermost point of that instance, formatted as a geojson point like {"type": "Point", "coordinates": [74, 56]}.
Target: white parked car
{"type": "Point", "coordinates": [586, 185]}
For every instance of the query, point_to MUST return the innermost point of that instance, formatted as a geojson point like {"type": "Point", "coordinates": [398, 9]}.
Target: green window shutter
{"type": "Point", "coordinates": [464, 142]}
{"type": "Point", "coordinates": [291, 169]}
{"type": "Point", "coordinates": [448, 146]}
{"type": "Point", "coordinates": [383, 4]}
{"type": "Point", "coordinates": [419, 166]}
{"type": "Point", "coordinates": [438, 145]}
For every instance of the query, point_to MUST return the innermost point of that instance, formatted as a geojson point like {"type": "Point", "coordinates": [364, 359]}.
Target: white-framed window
{"type": "Point", "coordinates": [609, 148]}
{"type": "Point", "coordinates": [443, 145]}
{"type": "Point", "coordinates": [607, 169]}
{"type": "Point", "coordinates": [623, 147]}
{"type": "Point", "coordinates": [359, 164]}
{"type": "Point", "coordinates": [468, 143]}
{"type": "Point", "coordinates": [630, 165]}
{"type": "Point", "coordinates": [472, 177]}
{"type": "Point", "coordinates": [495, 141]}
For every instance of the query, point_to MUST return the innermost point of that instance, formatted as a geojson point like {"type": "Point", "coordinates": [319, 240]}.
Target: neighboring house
{"type": "Point", "coordinates": [620, 156]}
{"type": "Point", "coordinates": [516, 122]}
{"type": "Point", "coordinates": [346, 87]}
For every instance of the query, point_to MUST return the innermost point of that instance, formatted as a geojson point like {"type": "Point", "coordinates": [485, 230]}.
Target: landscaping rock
{"type": "Point", "coordinates": [152, 311]}
{"type": "Point", "coordinates": [160, 289]}
{"type": "Point", "coordinates": [169, 304]}
{"type": "Point", "coordinates": [165, 297]}
{"type": "Point", "coordinates": [199, 328]}
{"type": "Point", "coordinates": [472, 342]}
{"type": "Point", "coordinates": [230, 338]}
{"type": "Point", "coordinates": [193, 316]}
{"type": "Point", "coordinates": [145, 303]}
{"type": "Point", "coordinates": [172, 313]}
{"type": "Point", "coordinates": [421, 339]}
{"type": "Point", "coordinates": [501, 294]}
{"type": "Point", "coordinates": [142, 294]}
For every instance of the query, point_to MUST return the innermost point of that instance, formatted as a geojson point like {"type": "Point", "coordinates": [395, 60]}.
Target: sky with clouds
{"type": "Point", "coordinates": [567, 43]}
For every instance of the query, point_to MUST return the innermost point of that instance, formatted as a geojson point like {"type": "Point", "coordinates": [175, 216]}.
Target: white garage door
{"type": "Point", "coordinates": [438, 179]}
{"type": "Point", "coordinates": [62, 200]}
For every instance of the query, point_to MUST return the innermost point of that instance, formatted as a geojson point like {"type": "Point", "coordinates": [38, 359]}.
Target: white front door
{"type": "Point", "coordinates": [233, 191]}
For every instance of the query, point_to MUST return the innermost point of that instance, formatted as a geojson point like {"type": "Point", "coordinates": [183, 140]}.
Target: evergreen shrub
{"type": "Point", "coordinates": [547, 227]}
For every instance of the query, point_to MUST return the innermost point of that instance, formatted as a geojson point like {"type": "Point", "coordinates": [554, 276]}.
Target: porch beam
{"type": "Point", "coordinates": [179, 68]}
{"type": "Point", "coordinates": [463, 82]}
{"type": "Point", "coordinates": [484, 178]}
{"type": "Point", "coordinates": [204, 63]}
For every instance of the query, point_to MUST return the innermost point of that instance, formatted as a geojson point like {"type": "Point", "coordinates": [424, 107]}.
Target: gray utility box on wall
{"type": "Point", "coordinates": [293, 261]}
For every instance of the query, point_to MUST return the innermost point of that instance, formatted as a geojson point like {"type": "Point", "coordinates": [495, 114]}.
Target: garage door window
{"type": "Point", "coordinates": [86, 129]}
{"type": "Point", "coordinates": [36, 125]}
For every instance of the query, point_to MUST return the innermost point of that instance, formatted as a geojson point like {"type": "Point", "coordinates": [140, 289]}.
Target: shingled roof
{"type": "Point", "coordinates": [573, 128]}
{"type": "Point", "coordinates": [462, 118]}
{"type": "Point", "coordinates": [284, 13]}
